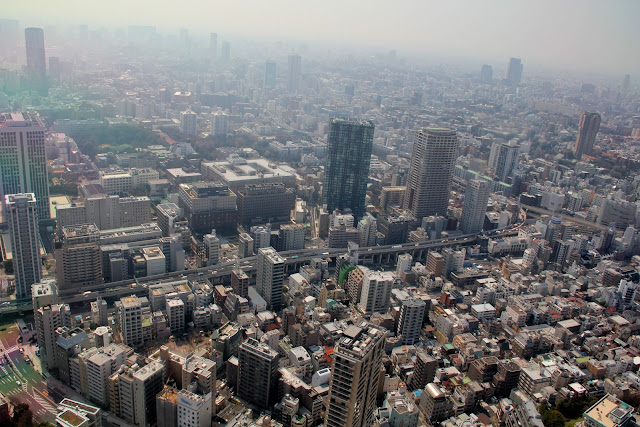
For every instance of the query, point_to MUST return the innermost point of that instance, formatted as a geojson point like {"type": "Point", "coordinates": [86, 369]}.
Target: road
{"type": "Point", "coordinates": [19, 381]}
{"type": "Point", "coordinates": [574, 219]}
{"type": "Point", "coordinates": [131, 286]}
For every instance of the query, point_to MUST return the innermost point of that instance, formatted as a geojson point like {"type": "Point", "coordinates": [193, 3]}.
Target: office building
{"type": "Point", "coordinates": [78, 259]}
{"type": "Point", "coordinates": [270, 277]}
{"type": "Point", "coordinates": [168, 215]}
{"type": "Point", "coordinates": [347, 169]}
{"type": "Point", "coordinates": [265, 203]}
{"type": "Point", "coordinates": [189, 123]}
{"type": "Point", "coordinates": [376, 291]}
{"type": "Point", "coordinates": [219, 123]}
{"type": "Point", "coordinates": [357, 360]}
{"type": "Point", "coordinates": [514, 71]}
{"type": "Point", "coordinates": [432, 163]}
{"type": "Point", "coordinates": [36, 62]}
{"type": "Point", "coordinates": [257, 374]}
{"type": "Point", "coordinates": [240, 283]}
{"type": "Point", "coordinates": [208, 205]}
{"type": "Point", "coordinates": [503, 159]}
{"type": "Point", "coordinates": [270, 75]}
{"type": "Point", "coordinates": [292, 237]}
{"type": "Point", "coordinates": [294, 74]}
{"type": "Point", "coordinates": [237, 172]}
{"type": "Point", "coordinates": [23, 159]}
{"type": "Point", "coordinates": [99, 312]}
{"type": "Point", "coordinates": [339, 237]}
{"type": "Point", "coordinates": [476, 198]}
{"type": "Point", "coordinates": [106, 212]}
{"type": "Point", "coordinates": [22, 217]}
{"type": "Point", "coordinates": [587, 131]}
{"type": "Point", "coordinates": [194, 410]}
{"type": "Point", "coordinates": [410, 320]}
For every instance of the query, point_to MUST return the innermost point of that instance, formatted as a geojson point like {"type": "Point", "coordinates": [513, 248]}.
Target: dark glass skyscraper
{"type": "Point", "coordinates": [348, 160]}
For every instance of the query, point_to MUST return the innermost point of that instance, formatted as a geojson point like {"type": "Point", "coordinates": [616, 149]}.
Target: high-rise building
{"type": "Point", "coordinates": [23, 161]}
{"type": "Point", "coordinates": [47, 319]}
{"type": "Point", "coordinates": [410, 320]}
{"type": "Point", "coordinates": [78, 259]}
{"type": "Point", "coordinates": [225, 56]}
{"type": "Point", "coordinates": [368, 228]}
{"type": "Point", "coordinates": [503, 159]}
{"type": "Point", "coordinates": [270, 75]}
{"type": "Point", "coordinates": [133, 392]}
{"type": "Point", "coordinates": [424, 371]}
{"type": "Point", "coordinates": [22, 218]}
{"type": "Point", "coordinates": [213, 46]}
{"type": "Point", "coordinates": [270, 277]}
{"type": "Point", "coordinates": [130, 320]}
{"type": "Point", "coordinates": [348, 160]}
{"type": "Point", "coordinates": [357, 360]}
{"type": "Point", "coordinates": [514, 71]}
{"type": "Point", "coordinates": [486, 74]}
{"type": "Point", "coordinates": [189, 123]}
{"type": "Point", "coordinates": [245, 245]}
{"type": "Point", "coordinates": [257, 373]}
{"type": "Point", "coordinates": [474, 209]}
{"type": "Point", "coordinates": [292, 237]}
{"type": "Point", "coordinates": [376, 291]}
{"type": "Point", "coordinates": [626, 83]}
{"type": "Point", "coordinates": [587, 131]}
{"type": "Point", "coordinates": [432, 162]}
{"type": "Point", "coordinates": [219, 123]}
{"type": "Point", "coordinates": [36, 63]}
{"type": "Point", "coordinates": [211, 244]}
{"type": "Point", "coordinates": [294, 74]}
{"type": "Point", "coordinates": [240, 283]}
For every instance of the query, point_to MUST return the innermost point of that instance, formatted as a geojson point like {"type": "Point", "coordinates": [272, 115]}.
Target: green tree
{"type": "Point", "coordinates": [553, 418]}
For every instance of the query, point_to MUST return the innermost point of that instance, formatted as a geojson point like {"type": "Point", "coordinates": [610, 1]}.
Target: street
{"type": "Point", "coordinates": [19, 381]}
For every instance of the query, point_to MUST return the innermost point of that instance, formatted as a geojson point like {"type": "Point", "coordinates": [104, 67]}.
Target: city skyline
{"type": "Point", "coordinates": [501, 33]}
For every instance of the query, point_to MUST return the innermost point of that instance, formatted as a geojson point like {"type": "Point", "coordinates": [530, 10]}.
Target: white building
{"type": "Point", "coordinates": [175, 314]}
{"type": "Point", "coordinates": [155, 260]}
{"type": "Point", "coordinates": [219, 123]}
{"type": "Point", "coordinates": [292, 236]}
{"type": "Point", "coordinates": [194, 410]}
{"type": "Point", "coordinates": [270, 277]}
{"type": "Point", "coordinates": [376, 291]}
{"type": "Point", "coordinates": [189, 123]}
{"type": "Point", "coordinates": [211, 247]}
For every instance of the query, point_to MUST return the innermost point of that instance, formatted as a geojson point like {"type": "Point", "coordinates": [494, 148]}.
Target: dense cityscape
{"type": "Point", "coordinates": [200, 231]}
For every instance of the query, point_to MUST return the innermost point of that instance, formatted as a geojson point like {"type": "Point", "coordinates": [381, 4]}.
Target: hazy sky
{"type": "Point", "coordinates": [588, 35]}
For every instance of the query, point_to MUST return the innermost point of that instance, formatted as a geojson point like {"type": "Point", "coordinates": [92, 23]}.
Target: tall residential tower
{"type": "Point", "coordinates": [432, 162]}
{"type": "Point", "coordinates": [357, 360]}
{"type": "Point", "coordinates": [25, 241]}
{"type": "Point", "coordinates": [475, 206]}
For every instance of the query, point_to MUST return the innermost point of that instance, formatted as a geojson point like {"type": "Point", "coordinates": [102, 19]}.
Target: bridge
{"type": "Point", "coordinates": [219, 273]}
